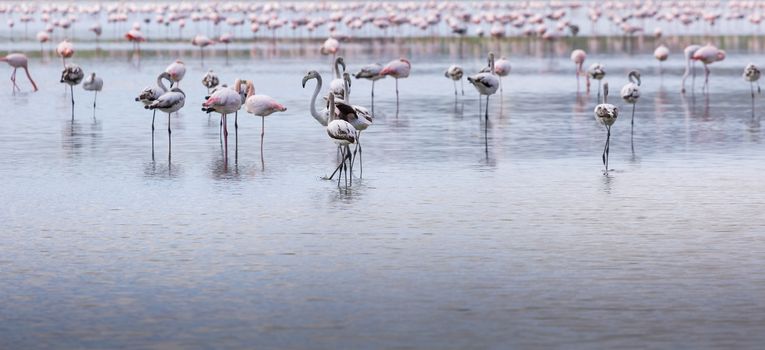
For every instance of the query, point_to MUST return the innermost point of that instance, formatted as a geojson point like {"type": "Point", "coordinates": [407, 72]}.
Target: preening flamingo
{"type": "Point", "coordinates": [606, 114]}
{"type": "Point", "coordinates": [631, 93]}
{"type": "Point", "coordinates": [578, 57]}
{"type": "Point", "coordinates": [752, 75]}
{"type": "Point", "coordinates": [176, 70]}
{"type": "Point", "coordinates": [65, 49]}
{"type": "Point", "coordinates": [343, 134]}
{"type": "Point", "coordinates": [72, 75]}
{"type": "Point", "coordinates": [486, 83]}
{"type": "Point", "coordinates": [455, 72]}
{"type": "Point", "coordinates": [661, 53]}
{"type": "Point", "coordinates": [169, 102]}
{"type": "Point", "coordinates": [337, 85]}
{"type": "Point", "coordinates": [597, 71]}
{"type": "Point", "coordinates": [18, 60]}
{"type": "Point", "coordinates": [210, 80]}
{"type": "Point", "coordinates": [501, 69]}
{"type": "Point", "coordinates": [95, 84]}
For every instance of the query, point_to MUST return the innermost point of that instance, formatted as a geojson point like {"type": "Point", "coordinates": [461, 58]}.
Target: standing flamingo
{"type": "Point", "coordinates": [18, 60]}
{"type": "Point", "coordinates": [224, 100]}
{"type": "Point", "coordinates": [72, 75]}
{"type": "Point", "coordinates": [370, 72]}
{"type": "Point", "coordinates": [708, 55]}
{"type": "Point", "coordinates": [169, 102]}
{"type": "Point", "coordinates": [606, 114]}
{"type": "Point", "coordinates": [398, 69]}
{"type": "Point", "coordinates": [42, 37]}
{"type": "Point", "coordinates": [631, 93]}
{"type": "Point", "coordinates": [337, 84]}
{"type": "Point", "coordinates": [343, 134]}
{"type": "Point", "coordinates": [323, 116]}
{"type": "Point", "coordinates": [359, 117]}
{"type": "Point", "coordinates": [661, 53]}
{"type": "Point", "coordinates": [455, 72]}
{"type": "Point", "coordinates": [176, 70]}
{"type": "Point", "coordinates": [65, 49]}
{"type": "Point", "coordinates": [95, 84]}
{"type": "Point", "coordinates": [201, 41]}
{"type": "Point", "coordinates": [226, 39]}
{"type": "Point", "coordinates": [501, 69]}
{"type": "Point", "coordinates": [150, 94]}
{"type": "Point", "coordinates": [688, 52]}
{"type": "Point", "coordinates": [330, 47]}
{"type": "Point", "coordinates": [486, 83]}
{"type": "Point", "coordinates": [136, 37]}
{"type": "Point", "coordinates": [752, 75]}
{"type": "Point", "coordinates": [578, 57]}
{"type": "Point", "coordinates": [597, 71]}
{"type": "Point", "coordinates": [210, 80]}
{"type": "Point", "coordinates": [262, 106]}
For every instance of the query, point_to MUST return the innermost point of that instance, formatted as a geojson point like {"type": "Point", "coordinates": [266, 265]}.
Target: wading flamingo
{"type": "Point", "coordinates": [343, 134]}
{"type": "Point", "coordinates": [455, 72]}
{"type": "Point", "coordinates": [262, 106]}
{"type": "Point", "coordinates": [176, 70]}
{"type": "Point", "coordinates": [18, 60]}
{"type": "Point", "coordinates": [707, 55]}
{"type": "Point", "coordinates": [606, 114]}
{"type": "Point", "coordinates": [72, 75]}
{"type": "Point", "coordinates": [95, 84]}
{"type": "Point", "coordinates": [578, 57]}
{"type": "Point", "coordinates": [690, 64]}
{"type": "Point", "coordinates": [398, 69]}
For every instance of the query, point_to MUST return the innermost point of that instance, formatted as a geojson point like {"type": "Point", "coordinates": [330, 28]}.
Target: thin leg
{"type": "Point", "coordinates": [71, 90]}
{"type": "Point", "coordinates": [169, 131]}
{"type": "Point", "coordinates": [95, 96]}
{"type": "Point", "coordinates": [262, 134]}
{"type": "Point", "coordinates": [462, 87]}
{"type": "Point", "coordinates": [486, 116]}
{"type": "Point", "coordinates": [152, 136]}
{"type": "Point", "coordinates": [236, 120]}
{"type": "Point", "coordinates": [348, 159]}
{"type": "Point", "coordinates": [599, 91]}
{"type": "Point", "coordinates": [455, 88]}
{"type": "Point", "coordinates": [396, 93]}
{"type": "Point", "coordinates": [225, 126]}
{"type": "Point", "coordinates": [373, 97]}
{"type": "Point", "coordinates": [339, 166]}
{"type": "Point", "coordinates": [501, 91]}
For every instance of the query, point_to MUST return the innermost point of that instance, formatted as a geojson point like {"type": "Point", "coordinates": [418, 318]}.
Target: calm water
{"type": "Point", "coordinates": [441, 245]}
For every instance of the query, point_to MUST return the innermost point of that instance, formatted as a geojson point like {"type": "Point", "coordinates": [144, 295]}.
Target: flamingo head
{"type": "Point", "coordinates": [720, 55]}
{"type": "Point", "coordinates": [310, 75]}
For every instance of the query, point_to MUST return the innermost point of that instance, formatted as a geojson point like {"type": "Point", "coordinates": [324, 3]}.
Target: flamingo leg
{"type": "Point", "coordinates": [706, 77]}
{"type": "Point", "coordinates": [13, 80]}
{"type": "Point", "coordinates": [95, 96]}
{"type": "Point", "coordinates": [348, 159]}
{"type": "Point", "coordinates": [71, 91]}
{"type": "Point", "coordinates": [152, 134]}
{"type": "Point", "coordinates": [462, 87]}
{"type": "Point", "coordinates": [169, 131]}
{"type": "Point", "coordinates": [236, 120]}
{"type": "Point", "coordinates": [606, 148]}
{"type": "Point", "coordinates": [225, 126]}
{"type": "Point", "coordinates": [262, 134]}
{"type": "Point", "coordinates": [599, 91]}
{"type": "Point", "coordinates": [396, 93]}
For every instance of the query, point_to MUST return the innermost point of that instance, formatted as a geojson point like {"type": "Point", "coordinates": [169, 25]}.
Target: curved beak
{"type": "Point", "coordinates": [305, 79]}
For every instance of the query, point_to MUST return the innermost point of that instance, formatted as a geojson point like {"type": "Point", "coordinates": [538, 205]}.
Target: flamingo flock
{"type": "Point", "coordinates": [342, 120]}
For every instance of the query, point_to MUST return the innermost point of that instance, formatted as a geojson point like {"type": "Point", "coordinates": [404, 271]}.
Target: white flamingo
{"type": "Point", "coordinates": [150, 94]}
{"type": "Point", "coordinates": [262, 106]}
{"type": "Point", "coordinates": [501, 69]}
{"type": "Point", "coordinates": [224, 100]}
{"type": "Point", "coordinates": [752, 75]}
{"type": "Point", "coordinates": [486, 83]}
{"type": "Point", "coordinates": [169, 102]}
{"type": "Point", "coordinates": [597, 71]}
{"type": "Point", "coordinates": [337, 85]}
{"type": "Point", "coordinates": [95, 84]}
{"type": "Point", "coordinates": [323, 116]}
{"type": "Point", "coordinates": [359, 117]}
{"type": "Point", "coordinates": [606, 114]}
{"type": "Point", "coordinates": [631, 92]}
{"type": "Point", "coordinates": [455, 73]}
{"type": "Point", "coordinates": [210, 80]}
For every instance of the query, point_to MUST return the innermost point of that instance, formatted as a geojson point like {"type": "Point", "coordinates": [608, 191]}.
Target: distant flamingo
{"type": "Point", "coordinates": [486, 84]}
{"type": "Point", "coordinates": [201, 41]}
{"type": "Point", "coordinates": [597, 71]}
{"type": "Point", "coordinates": [606, 114]}
{"type": "Point", "coordinates": [95, 84]}
{"type": "Point", "coordinates": [65, 49]}
{"type": "Point", "coordinates": [42, 37]}
{"type": "Point", "coordinates": [330, 47]}
{"type": "Point", "coordinates": [578, 57]}
{"type": "Point", "coordinates": [455, 72]}
{"type": "Point", "coordinates": [262, 106]}
{"type": "Point", "coordinates": [398, 69]}
{"type": "Point", "coordinates": [226, 39]}
{"type": "Point", "coordinates": [707, 55]}
{"type": "Point", "coordinates": [631, 93]}
{"type": "Point", "coordinates": [72, 75]}
{"type": "Point", "coordinates": [501, 69]}
{"type": "Point", "coordinates": [136, 37]}
{"type": "Point", "coordinates": [752, 75]}
{"type": "Point", "coordinates": [370, 72]}
{"type": "Point", "coordinates": [661, 53]}
{"type": "Point", "coordinates": [688, 52]}
{"type": "Point", "coordinates": [177, 71]}
{"type": "Point", "coordinates": [18, 60]}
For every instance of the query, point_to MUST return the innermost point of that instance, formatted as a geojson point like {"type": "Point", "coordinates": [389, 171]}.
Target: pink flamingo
{"type": "Point", "coordinates": [707, 55]}
{"type": "Point", "coordinates": [689, 52]}
{"type": "Point", "coordinates": [18, 60]}
{"type": "Point", "coordinates": [226, 39]}
{"type": "Point", "coordinates": [201, 41]}
{"type": "Point", "coordinates": [578, 57]}
{"type": "Point", "coordinates": [42, 37]}
{"type": "Point", "coordinates": [65, 49]}
{"type": "Point", "coordinates": [661, 53]}
{"type": "Point", "coordinates": [262, 106]}
{"type": "Point", "coordinates": [136, 37]}
{"type": "Point", "coordinates": [398, 69]}
{"type": "Point", "coordinates": [176, 70]}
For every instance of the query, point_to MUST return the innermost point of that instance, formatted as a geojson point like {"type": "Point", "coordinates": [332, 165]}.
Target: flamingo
{"type": "Point", "coordinates": [578, 57]}
{"type": "Point", "coordinates": [93, 83]}
{"type": "Point", "coordinates": [226, 39]}
{"type": "Point", "coordinates": [631, 93]}
{"type": "Point", "coordinates": [210, 80]}
{"type": "Point", "coordinates": [65, 49]}
{"type": "Point", "coordinates": [337, 85]}
{"type": "Point", "coordinates": [323, 116]}
{"type": "Point", "coordinates": [370, 72]}
{"type": "Point", "coordinates": [150, 94]}
{"type": "Point", "coordinates": [486, 84]}
{"type": "Point", "coordinates": [501, 69]}
{"type": "Point", "coordinates": [606, 114]}
{"type": "Point", "coordinates": [689, 52]}
{"type": "Point", "coordinates": [224, 100]}
{"type": "Point", "coordinates": [359, 117]}
{"type": "Point", "coordinates": [455, 72]}
{"type": "Point", "coordinates": [597, 71]}
{"type": "Point", "coordinates": [330, 47]}
{"type": "Point", "coordinates": [661, 53]}
{"type": "Point", "coordinates": [72, 75]}
{"type": "Point", "coordinates": [752, 75]}
{"type": "Point", "coordinates": [169, 102]}
{"type": "Point", "coordinates": [18, 60]}
{"type": "Point", "coordinates": [176, 70]}
{"type": "Point", "coordinates": [42, 37]}
{"type": "Point", "coordinates": [708, 55]}
{"type": "Point", "coordinates": [398, 69]}
{"type": "Point", "coordinates": [262, 106]}
{"type": "Point", "coordinates": [136, 37]}
{"type": "Point", "coordinates": [343, 134]}
{"type": "Point", "coordinates": [201, 41]}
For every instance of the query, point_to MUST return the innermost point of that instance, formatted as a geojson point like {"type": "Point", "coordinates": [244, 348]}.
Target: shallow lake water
{"type": "Point", "coordinates": [449, 241]}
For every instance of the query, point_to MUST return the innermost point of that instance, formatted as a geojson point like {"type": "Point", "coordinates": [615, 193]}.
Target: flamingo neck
{"type": "Point", "coordinates": [159, 81]}
{"type": "Point", "coordinates": [337, 69]}
{"type": "Point", "coordinates": [314, 113]}
{"type": "Point", "coordinates": [347, 93]}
